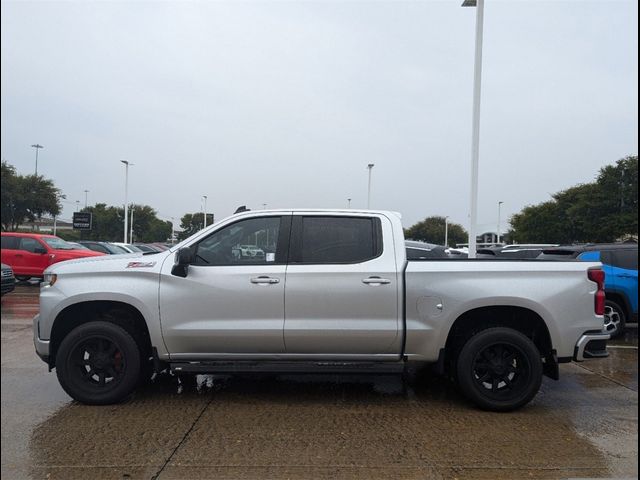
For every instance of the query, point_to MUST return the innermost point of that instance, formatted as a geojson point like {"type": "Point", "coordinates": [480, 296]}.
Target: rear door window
{"type": "Point", "coordinates": [10, 242]}
{"type": "Point", "coordinates": [336, 240]}
{"type": "Point", "coordinates": [627, 259]}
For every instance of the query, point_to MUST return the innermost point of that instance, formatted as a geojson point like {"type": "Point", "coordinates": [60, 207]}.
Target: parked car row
{"type": "Point", "coordinates": [29, 254]}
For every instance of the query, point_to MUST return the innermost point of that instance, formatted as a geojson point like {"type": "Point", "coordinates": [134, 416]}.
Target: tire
{"type": "Point", "coordinates": [499, 369]}
{"type": "Point", "coordinates": [615, 319]}
{"type": "Point", "coordinates": [98, 363]}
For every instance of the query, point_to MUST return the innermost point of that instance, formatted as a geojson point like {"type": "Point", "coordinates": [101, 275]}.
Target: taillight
{"type": "Point", "coordinates": [597, 275]}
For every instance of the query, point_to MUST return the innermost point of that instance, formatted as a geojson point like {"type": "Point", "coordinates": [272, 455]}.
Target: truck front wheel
{"type": "Point", "coordinates": [98, 363]}
{"type": "Point", "coordinates": [499, 369]}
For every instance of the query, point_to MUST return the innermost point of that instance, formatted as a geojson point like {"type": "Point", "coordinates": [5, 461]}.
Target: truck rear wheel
{"type": "Point", "coordinates": [499, 369]}
{"type": "Point", "coordinates": [98, 363]}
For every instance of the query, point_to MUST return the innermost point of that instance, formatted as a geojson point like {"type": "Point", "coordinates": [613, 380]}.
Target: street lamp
{"type": "Point", "coordinates": [77, 205]}
{"type": "Point", "coordinates": [370, 167]}
{"type": "Point", "coordinates": [37, 147]}
{"type": "Point", "coordinates": [131, 227]}
{"type": "Point", "coordinates": [475, 130]}
{"type": "Point", "coordinates": [498, 230]}
{"type": "Point", "coordinates": [446, 231]}
{"type": "Point", "coordinates": [205, 211]}
{"type": "Point", "coordinates": [126, 202]}
{"type": "Point", "coordinates": [348, 203]}
{"type": "Point", "coordinates": [85, 198]}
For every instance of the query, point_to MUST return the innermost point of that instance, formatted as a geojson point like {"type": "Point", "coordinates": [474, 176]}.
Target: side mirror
{"type": "Point", "coordinates": [184, 257]}
{"type": "Point", "coordinates": [40, 250]}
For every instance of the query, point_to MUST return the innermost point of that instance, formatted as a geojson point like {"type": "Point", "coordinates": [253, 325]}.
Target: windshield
{"type": "Point", "coordinates": [118, 249]}
{"type": "Point", "coordinates": [57, 243]}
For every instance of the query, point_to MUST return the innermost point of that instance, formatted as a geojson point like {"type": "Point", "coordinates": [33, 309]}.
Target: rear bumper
{"type": "Point", "coordinates": [591, 345]}
{"type": "Point", "coordinates": [42, 346]}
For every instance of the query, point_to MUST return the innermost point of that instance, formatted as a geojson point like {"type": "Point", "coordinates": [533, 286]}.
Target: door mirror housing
{"type": "Point", "coordinates": [40, 250]}
{"type": "Point", "coordinates": [184, 257]}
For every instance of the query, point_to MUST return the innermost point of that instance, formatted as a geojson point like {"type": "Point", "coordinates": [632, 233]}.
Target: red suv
{"type": "Point", "coordinates": [29, 253]}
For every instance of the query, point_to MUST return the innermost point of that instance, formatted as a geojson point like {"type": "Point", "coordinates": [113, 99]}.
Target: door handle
{"type": "Point", "coordinates": [376, 281]}
{"type": "Point", "coordinates": [264, 280]}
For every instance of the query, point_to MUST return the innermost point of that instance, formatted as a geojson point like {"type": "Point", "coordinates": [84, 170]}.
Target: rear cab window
{"type": "Point", "coordinates": [322, 240]}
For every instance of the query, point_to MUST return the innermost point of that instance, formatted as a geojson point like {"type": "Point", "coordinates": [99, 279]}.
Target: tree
{"type": "Point", "coordinates": [26, 198]}
{"type": "Point", "coordinates": [191, 223]}
{"type": "Point", "coordinates": [601, 211]}
{"type": "Point", "coordinates": [108, 224]}
{"type": "Point", "coordinates": [147, 227]}
{"type": "Point", "coordinates": [432, 230]}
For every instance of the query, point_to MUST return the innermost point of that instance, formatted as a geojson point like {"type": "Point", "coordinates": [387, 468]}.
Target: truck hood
{"type": "Point", "coordinates": [109, 263]}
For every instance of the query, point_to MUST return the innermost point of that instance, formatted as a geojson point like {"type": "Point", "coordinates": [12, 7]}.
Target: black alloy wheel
{"type": "Point", "coordinates": [499, 369]}
{"type": "Point", "coordinates": [98, 363]}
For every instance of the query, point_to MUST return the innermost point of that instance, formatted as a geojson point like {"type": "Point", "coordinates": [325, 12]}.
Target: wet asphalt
{"type": "Point", "coordinates": [320, 427]}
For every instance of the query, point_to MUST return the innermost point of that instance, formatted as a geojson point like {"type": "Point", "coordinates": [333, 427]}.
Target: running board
{"type": "Point", "coordinates": [227, 367]}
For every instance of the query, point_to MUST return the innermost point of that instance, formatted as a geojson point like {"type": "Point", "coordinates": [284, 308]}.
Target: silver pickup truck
{"type": "Point", "coordinates": [332, 291]}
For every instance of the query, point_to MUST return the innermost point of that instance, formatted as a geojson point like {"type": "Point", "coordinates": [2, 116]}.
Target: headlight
{"type": "Point", "coordinates": [49, 280]}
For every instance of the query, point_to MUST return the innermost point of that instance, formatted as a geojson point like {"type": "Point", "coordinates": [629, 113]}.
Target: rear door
{"type": "Point", "coordinates": [10, 245]}
{"type": "Point", "coordinates": [624, 262]}
{"type": "Point", "coordinates": [342, 288]}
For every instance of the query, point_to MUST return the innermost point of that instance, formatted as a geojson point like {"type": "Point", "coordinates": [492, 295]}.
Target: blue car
{"type": "Point", "coordinates": [620, 264]}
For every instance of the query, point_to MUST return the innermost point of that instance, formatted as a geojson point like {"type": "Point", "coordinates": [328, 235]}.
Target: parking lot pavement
{"type": "Point", "coordinates": [585, 425]}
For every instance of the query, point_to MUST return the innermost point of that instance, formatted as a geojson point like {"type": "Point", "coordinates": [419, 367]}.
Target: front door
{"type": "Point", "coordinates": [32, 257]}
{"type": "Point", "coordinates": [231, 303]}
{"type": "Point", "coordinates": [342, 288]}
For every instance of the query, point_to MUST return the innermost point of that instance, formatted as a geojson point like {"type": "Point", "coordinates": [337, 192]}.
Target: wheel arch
{"type": "Point", "coordinates": [120, 313]}
{"type": "Point", "coordinates": [521, 319]}
{"type": "Point", "coordinates": [621, 299]}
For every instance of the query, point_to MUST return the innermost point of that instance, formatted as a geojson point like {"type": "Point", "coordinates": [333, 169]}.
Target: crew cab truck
{"type": "Point", "coordinates": [335, 292]}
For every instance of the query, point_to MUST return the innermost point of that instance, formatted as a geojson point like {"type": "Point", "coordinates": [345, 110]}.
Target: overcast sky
{"type": "Point", "coordinates": [285, 103]}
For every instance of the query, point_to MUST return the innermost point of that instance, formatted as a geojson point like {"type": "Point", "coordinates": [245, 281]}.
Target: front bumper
{"type": "Point", "coordinates": [8, 284]}
{"type": "Point", "coordinates": [42, 346]}
{"type": "Point", "coordinates": [591, 345]}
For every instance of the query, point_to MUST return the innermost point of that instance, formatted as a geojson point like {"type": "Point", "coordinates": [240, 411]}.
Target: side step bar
{"type": "Point", "coordinates": [222, 367]}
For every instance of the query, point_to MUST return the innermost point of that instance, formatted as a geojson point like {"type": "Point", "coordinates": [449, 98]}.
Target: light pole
{"type": "Point", "coordinates": [77, 205]}
{"type": "Point", "coordinates": [498, 230]}
{"type": "Point", "coordinates": [37, 147]}
{"type": "Point", "coordinates": [446, 231]}
{"type": "Point", "coordinates": [370, 167]}
{"type": "Point", "coordinates": [131, 227]}
{"type": "Point", "coordinates": [127, 164]}
{"type": "Point", "coordinates": [348, 203]}
{"type": "Point", "coordinates": [85, 198]}
{"type": "Point", "coordinates": [204, 197]}
{"type": "Point", "coordinates": [475, 126]}
{"type": "Point", "coordinates": [264, 206]}
{"type": "Point", "coordinates": [173, 219]}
